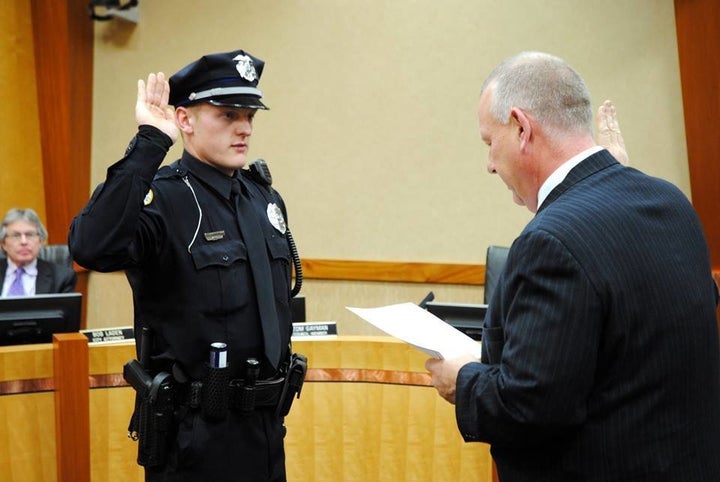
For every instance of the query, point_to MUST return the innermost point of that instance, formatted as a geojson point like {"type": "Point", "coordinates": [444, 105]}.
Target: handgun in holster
{"type": "Point", "coordinates": [293, 383]}
{"type": "Point", "coordinates": [153, 415]}
{"type": "Point", "coordinates": [152, 420]}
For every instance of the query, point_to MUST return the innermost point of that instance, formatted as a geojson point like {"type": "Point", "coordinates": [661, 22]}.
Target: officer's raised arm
{"type": "Point", "coordinates": [152, 106]}
{"type": "Point", "coordinates": [102, 234]}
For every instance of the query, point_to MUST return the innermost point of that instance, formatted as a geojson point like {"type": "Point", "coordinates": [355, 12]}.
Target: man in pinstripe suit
{"type": "Point", "coordinates": [601, 358]}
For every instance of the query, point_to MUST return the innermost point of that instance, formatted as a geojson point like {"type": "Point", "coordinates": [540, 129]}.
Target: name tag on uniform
{"type": "Point", "coordinates": [214, 236]}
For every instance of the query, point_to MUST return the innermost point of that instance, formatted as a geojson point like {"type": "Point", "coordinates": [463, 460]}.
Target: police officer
{"type": "Point", "coordinates": [182, 236]}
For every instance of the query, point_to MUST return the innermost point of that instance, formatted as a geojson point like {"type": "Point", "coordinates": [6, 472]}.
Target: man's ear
{"type": "Point", "coordinates": [523, 125]}
{"type": "Point", "coordinates": [184, 119]}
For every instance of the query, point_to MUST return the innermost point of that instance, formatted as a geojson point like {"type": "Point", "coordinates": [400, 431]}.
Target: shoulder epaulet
{"type": "Point", "coordinates": [250, 176]}
{"type": "Point", "coordinates": [170, 171]}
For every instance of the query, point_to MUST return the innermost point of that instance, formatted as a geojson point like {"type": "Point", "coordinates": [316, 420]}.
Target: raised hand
{"type": "Point", "coordinates": [609, 135]}
{"type": "Point", "coordinates": [152, 106]}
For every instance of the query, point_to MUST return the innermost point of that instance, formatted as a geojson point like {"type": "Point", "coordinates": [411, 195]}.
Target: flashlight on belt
{"type": "Point", "coordinates": [247, 399]}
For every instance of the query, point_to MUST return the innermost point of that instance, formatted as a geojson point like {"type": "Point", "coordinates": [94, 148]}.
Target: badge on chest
{"type": "Point", "coordinates": [275, 215]}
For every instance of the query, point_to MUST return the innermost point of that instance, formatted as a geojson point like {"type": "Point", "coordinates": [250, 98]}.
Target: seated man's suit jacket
{"type": "Point", "coordinates": [51, 278]}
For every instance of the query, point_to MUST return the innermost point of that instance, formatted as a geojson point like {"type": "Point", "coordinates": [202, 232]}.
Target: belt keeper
{"type": "Point", "coordinates": [235, 391]}
{"type": "Point", "coordinates": [195, 394]}
{"type": "Point", "coordinates": [247, 399]}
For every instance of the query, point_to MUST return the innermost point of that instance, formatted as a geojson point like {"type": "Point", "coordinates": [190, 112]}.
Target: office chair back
{"type": "Point", "coordinates": [54, 253]}
{"type": "Point", "coordinates": [494, 263]}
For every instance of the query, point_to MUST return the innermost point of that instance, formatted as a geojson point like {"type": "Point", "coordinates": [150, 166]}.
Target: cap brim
{"type": "Point", "coordinates": [239, 102]}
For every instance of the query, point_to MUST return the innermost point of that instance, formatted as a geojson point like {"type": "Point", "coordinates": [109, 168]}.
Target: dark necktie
{"type": "Point", "coordinates": [258, 257]}
{"type": "Point", "coordinates": [17, 288]}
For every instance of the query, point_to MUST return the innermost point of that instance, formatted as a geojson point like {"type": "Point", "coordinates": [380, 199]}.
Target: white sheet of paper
{"type": "Point", "coordinates": [421, 329]}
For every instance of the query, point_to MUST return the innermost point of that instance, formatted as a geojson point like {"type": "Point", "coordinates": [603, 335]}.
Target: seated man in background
{"type": "Point", "coordinates": [23, 273]}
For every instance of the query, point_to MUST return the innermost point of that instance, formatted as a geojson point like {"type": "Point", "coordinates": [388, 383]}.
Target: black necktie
{"type": "Point", "coordinates": [258, 257]}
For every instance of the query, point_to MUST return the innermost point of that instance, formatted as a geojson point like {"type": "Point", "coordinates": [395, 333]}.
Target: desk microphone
{"type": "Point", "coordinates": [428, 298]}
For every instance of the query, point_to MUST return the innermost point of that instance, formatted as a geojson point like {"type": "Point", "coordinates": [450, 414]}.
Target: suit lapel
{"type": "Point", "coordinates": [43, 283]}
{"type": "Point", "coordinates": [3, 268]}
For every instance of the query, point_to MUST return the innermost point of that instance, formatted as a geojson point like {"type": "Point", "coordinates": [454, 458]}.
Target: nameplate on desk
{"type": "Point", "coordinates": [109, 335]}
{"type": "Point", "coordinates": [315, 329]}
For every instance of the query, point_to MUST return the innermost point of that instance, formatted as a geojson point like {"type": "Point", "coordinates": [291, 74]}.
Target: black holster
{"type": "Point", "coordinates": [294, 379]}
{"type": "Point", "coordinates": [152, 421]}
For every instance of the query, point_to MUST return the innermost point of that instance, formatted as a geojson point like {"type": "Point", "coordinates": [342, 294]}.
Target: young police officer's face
{"type": "Point", "coordinates": [217, 135]}
{"type": "Point", "coordinates": [22, 242]}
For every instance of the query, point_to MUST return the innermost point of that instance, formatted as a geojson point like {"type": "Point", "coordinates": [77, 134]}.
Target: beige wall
{"type": "Point", "coordinates": [21, 173]}
{"type": "Point", "coordinates": [111, 300]}
{"type": "Point", "coordinates": [372, 136]}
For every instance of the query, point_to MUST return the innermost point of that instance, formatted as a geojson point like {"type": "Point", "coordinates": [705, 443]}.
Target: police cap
{"type": "Point", "coordinates": [224, 79]}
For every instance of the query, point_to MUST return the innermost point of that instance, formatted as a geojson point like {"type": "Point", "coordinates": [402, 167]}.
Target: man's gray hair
{"type": "Point", "coordinates": [18, 214]}
{"type": "Point", "coordinates": [544, 86]}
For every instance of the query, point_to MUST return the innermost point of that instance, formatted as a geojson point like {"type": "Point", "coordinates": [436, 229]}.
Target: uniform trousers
{"type": "Point", "coordinates": [242, 447]}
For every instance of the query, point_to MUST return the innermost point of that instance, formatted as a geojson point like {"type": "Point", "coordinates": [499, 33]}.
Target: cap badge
{"type": "Point", "coordinates": [245, 68]}
{"type": "Point", "coordinates": [276, 218]}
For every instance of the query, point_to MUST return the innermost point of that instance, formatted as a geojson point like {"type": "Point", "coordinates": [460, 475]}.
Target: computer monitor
{"type": "Point", "coordinates": [465, 317]}
{"type": "Point", "coordinates": [34, 319]}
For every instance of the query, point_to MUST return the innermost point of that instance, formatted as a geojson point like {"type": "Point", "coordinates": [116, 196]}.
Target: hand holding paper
{"type": "Point", "coordinates": [421, 329]}
{"type": "Point", "coordinates": [444, 374]}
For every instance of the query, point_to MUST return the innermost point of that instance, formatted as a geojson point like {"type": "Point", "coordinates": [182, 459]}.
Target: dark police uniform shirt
{"type": "Point", "coordinates": [175, 233]}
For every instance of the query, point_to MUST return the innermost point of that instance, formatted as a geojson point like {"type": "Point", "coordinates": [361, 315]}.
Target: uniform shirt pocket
{"type": "Point", "coordinates": [223, 274]}
{"type": "Point", "coordinates": [280, 266]}
{"type": "Point", "coordinates": [218, 254]}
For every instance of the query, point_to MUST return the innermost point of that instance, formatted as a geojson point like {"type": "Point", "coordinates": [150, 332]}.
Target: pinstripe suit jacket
{"type": "Point", "coordinates": [600, 348]}
{"type": "Point", "coordinates": [51, 278]}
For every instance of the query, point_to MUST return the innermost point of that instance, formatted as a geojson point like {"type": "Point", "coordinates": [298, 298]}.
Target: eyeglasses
{"type": "Point", "coordinates": [30, 236]}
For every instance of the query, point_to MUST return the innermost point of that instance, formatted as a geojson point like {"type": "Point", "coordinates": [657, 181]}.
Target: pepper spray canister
{"type": "Point", "coordinates": [218, 355]}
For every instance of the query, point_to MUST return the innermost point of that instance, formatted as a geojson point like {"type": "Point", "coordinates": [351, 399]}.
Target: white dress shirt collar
{"type": "Point", "coordinates": [561, 173]}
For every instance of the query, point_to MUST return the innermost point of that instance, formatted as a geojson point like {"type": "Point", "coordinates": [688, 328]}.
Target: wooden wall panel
{"type": "Point", "coordinates": [698, 36]}
{"type": "Point", "coordinates": [465, 274]}
{"type": "Point", "coordinates": [21, 176]}
{"type": "Point", "coordinates": [63, 37]}
{"type": "Point", "coordinates": [63, 41]}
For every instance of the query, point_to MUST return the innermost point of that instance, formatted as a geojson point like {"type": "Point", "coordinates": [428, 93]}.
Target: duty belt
{"type": "Point", "coordinates": [241, 397]}
{"type": "Point", "coordinates": [216, 394]}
